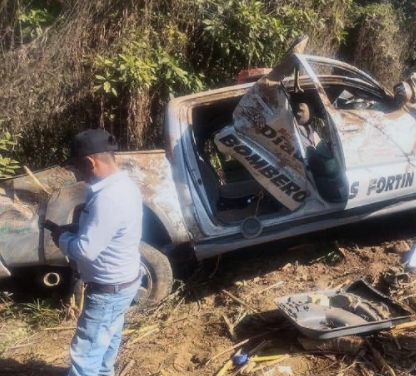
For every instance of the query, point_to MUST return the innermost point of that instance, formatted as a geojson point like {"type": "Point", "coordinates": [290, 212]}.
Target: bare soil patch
{"type": "Point", "coordinates": [226, 301]}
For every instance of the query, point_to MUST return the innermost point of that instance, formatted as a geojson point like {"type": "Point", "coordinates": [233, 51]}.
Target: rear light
{"type": "Point", "coordinates": [252, 75]}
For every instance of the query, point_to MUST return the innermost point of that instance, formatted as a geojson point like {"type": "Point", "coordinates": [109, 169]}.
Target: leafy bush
{"type": "Point", "coordinates": [138, 66]}
{"type": "Point", "coordinates": [242, 33]}
{"type": "Point", "coordinates": [8, 165]}
{"type": "Point", "coordinates": [32, 22]}
{"type": "Point", "coordinates": [69, 65]}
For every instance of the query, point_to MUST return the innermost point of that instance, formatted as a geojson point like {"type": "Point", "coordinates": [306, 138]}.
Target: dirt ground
{"type": "Point", "coordinates": [220, 303]}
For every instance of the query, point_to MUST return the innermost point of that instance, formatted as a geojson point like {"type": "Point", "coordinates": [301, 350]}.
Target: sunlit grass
{"type": "Point", "coordinates": [38, 314]}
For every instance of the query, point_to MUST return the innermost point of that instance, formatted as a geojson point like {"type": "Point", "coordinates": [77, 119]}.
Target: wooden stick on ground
{"type": "Point", "coordinates": [275, 285]}
{"type": "Point", "coordinates": [178, 305]}
{"type": "Point", "coordinates": [127, 332]}
{"type": "Point", "coordinates": [395, 340]}
{"type": "Point", "coordinates": [230, 327]}
{"type": "Point", "coordinates": [141, 330]}
{"type": "Point", "coordinates": [405, 325]}
{"type": "Point", "coordinates": [239, 344]}
{"type": "Point", "coordinates": [143, 336]}
{"type": "Point", "coordinates": [61, 328]}
{"type": "Point", "coordinates": [15, 347]}
{"type": "Point", "coordinates": [342, 284]}
{"type": "Point", "coordinates": [127, 368]}
{"type": "Point", "coordinates": [223, 371]}
{"type": "Point", "coordinates": [238, 300]}
{"type": "Point", "coordinates": [268, 358]}
{"type": "Point", "coordinates": [380, 360]}
{"type": "Point", "coordinates": [259, 347]}
{"type": "Point", "coordinates": [364, 371]}
{"type": "Point", "coordinates": [225, 368]}
{"type": "Point", "coordinates": [270, 363]}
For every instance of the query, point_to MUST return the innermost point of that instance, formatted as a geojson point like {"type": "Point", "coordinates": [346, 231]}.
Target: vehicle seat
{"type": "Point", "coordinates": [329, 179]}
{"type": "Point", "coordinates": [231, 191]}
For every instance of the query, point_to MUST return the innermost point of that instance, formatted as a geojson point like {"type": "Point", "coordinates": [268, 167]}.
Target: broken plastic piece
{"type": "Point", "coordinates": [354, 309]}
{"type": "Point", "coordinates": [412, 261]}
{"type": "Point", "coordinates": [240, 359]}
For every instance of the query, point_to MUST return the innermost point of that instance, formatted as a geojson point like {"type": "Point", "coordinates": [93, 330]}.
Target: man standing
{"type": "Point", "coordinates": [105, 250]}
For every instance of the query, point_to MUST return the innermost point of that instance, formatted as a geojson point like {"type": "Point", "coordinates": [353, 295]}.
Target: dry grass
{"type": "Point", "coordinates": [47, 91]}
{"type": "Point", "coordinates": [382, 46]}
{"type": "Point", "coordinates": [47, 83]}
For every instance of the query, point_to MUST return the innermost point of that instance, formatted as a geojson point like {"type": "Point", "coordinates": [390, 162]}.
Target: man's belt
{"type": "Point", "coordinates": [112, 289]}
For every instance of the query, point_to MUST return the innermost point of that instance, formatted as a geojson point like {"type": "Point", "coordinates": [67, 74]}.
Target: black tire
{"type": "Point", "coordinates": [157, 277]}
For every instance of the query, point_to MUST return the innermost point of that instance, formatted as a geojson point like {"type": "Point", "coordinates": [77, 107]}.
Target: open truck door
{"type": "Point", "coordinates": [263, 136]}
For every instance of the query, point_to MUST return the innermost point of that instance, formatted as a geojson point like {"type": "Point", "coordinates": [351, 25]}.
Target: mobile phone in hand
{"type": "Point", "coordinates": [51, 226]}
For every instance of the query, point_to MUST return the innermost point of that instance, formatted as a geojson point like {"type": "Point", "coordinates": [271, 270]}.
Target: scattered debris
{"type": "Point", "coordinates": [353, 309]}
{"type": "Point", "coordinates": [239, 344]}
{"type": "Point", "coordinates": [405, 325]}
{"type": "Point", "coordinates": [60, 328]}
{"type": "Point", "coordinates": [269, 357]}
{"type": "Point", "coordinates": [238, 300]}
{"type": "Point", "coordinates": [286, 370]}
{"type": "Point", "coordinates": [287, 267]}
{"type": "Point", "coordinates": [148, 333]}
{"type": "Point", "coordinates": [129, 366]}
{"type": "Point", "coordinates": [181, 336]}
{"type": "Point", "coordinates": [240, 359]}
{"type": "Point", "coordinates": [273, 286]}
{"type": "Point", "coordinates": [349, 345]}
{"type": "Point", "coordinates": [270, 363]}
{"type": "Point", "coordinates": [364, 371]}
{"type": "Point", "coordinates": [412, 261]}
{"type": "Point", "coordinates": [385, 367]}
{"type": "Point", "coordinates": [228, 365]}
{"type": "Point", "coordinates": [398, 247]}
{"type": "Point", "coordinates": [230, 327]}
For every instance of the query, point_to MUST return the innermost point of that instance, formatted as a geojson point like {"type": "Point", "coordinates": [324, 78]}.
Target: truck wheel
{"type": "Point", "coordinates": [157, 277]}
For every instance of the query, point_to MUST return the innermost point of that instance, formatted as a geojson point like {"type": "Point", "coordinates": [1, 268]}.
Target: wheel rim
{"type": "Point", "coordinates": [146, 285]}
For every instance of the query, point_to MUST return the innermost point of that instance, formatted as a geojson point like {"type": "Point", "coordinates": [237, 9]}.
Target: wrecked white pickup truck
{"type": "Point", "coordinates": [314, 144]}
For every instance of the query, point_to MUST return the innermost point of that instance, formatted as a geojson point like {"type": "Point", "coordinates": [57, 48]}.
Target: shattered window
{"type": "Point", "coordinates": [347, 87]}
{"type": "Point", "coordinates": [323, 69]}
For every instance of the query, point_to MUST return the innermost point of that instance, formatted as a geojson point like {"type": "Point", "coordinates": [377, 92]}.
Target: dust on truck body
{"type": "Point", "coordinates": [243, 168]}
{"type": "Point", "coordinates": [236, 171]}
{"type": "Point", "coordinates": [55, 194]}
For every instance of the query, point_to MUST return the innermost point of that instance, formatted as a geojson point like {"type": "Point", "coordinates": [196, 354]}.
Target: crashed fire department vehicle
{"type": "Point", "coordinates": [314, 144]}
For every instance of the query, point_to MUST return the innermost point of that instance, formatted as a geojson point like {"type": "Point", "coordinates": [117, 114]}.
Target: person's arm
{"type": "Point", "coordinates": [98, 228]}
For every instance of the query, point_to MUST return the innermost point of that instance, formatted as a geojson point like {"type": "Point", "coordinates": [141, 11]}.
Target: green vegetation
{"type": "Point", "coordinates": [38, 314]}
{"type": "Point", "coordinates": [331, 254]}
{"type": "Point", "coordinates": [75, 64]}
{"type": "Point", "coordinates": [8, 165]}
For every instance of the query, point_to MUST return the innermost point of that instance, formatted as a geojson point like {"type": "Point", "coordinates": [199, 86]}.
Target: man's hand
{"type": "Point", "coordinates": [57, 230]}
{"type": "Point", "coordinates": [72, 227]}
{"type": "Point", "coordinates": [57, 233]}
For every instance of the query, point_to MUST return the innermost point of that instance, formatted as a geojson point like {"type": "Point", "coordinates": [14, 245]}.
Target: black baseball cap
{"type": "Point", "coordinates": [92, 141]}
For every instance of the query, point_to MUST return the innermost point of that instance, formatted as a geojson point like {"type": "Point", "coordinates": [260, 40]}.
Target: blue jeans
{"type": "Point", "coordinates": [97, 339]}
